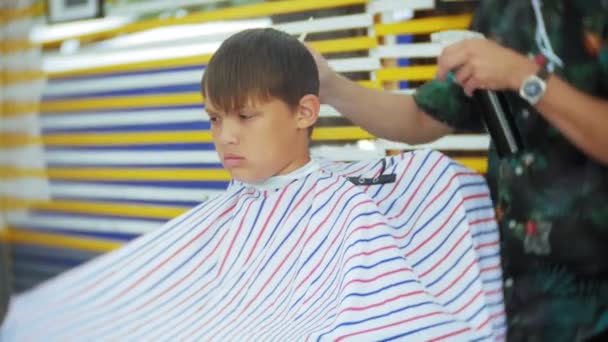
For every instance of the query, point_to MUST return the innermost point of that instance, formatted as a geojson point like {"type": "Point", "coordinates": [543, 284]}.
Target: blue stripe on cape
{"type": "Point", "coordinates": [318, 259]}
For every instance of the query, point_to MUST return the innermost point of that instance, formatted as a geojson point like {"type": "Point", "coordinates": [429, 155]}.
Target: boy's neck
{"type": "Point", "coordinates": [284, 178]}
{"type": "Point", "coordinates": [295, 164]}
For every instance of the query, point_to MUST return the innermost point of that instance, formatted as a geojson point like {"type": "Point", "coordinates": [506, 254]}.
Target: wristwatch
{"type": "Point", "coordinates": [533, 87]}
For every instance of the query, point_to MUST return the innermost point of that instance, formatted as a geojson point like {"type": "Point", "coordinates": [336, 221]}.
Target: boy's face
{"type": "Point", "coordinates": [263, 139]}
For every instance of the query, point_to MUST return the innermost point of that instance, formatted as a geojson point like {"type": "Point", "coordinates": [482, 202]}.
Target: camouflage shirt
{"type": "Point", "coordinates": [551, 199]}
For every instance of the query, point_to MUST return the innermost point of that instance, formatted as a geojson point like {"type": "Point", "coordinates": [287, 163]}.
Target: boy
{"type": "Point", "coordinates": [402, 248]}
{"type": "Point", "coordinates": [261, 131]}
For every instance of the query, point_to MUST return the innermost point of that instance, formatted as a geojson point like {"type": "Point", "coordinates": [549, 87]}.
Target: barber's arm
{"type": "Point", "coordinates": [382, 113]}
{"type": "Point", "coordinates": [483, 64]}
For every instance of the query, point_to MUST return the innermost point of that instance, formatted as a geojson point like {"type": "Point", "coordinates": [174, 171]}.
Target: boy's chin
{"type": "Point", "coordinates": [246, 177]}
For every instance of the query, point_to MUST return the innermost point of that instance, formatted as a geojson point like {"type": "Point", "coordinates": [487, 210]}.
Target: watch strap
{"type": "Point", "coordinates": [543, 73]}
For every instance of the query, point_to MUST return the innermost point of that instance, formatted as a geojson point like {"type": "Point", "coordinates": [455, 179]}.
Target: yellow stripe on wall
{"type": "Point", "coordinates": [12, 108]}
{"type": "Point", "coordinates": [423, 26]}
{"type": "Point", "coordinates": [84, 139]}
{"type": "Point", "coordinates": [74, 105]}
{"type": "Point", "coordinates": [319, 134]}
{"type": "Point", "coordinates": [167, 174]}
{"type": "Point", "coordinates": [12, 76]}
{"type": "Point", "coordinates": [23, 237]}
{"type": "Point", "coordinates": [344, 44]}
{"type": "Point", "coordinates": [36, 10]}
{"type": "Point", "coordinates": [413, 73]}
{"type": "Point", "coordinates": [375, 84]}
{"type": "Point", "coordinates": [478, 164]}
{"type": "Point", "coordinates": [96, 208]}
{"type": "Point", "coordinates": [10, 140]}
{"type": "Point", "coordinates": [231, 13]}
{"type": "Point", "coordinates": [118, 174]}
{"type": "Point", "coordinates": [200, 60]}
{"type": "Point", "coordinates": [340, 133]}
{"type": "Point", "coordinates": [3, 234]}
{"type": "Point", "coordinates": [13, 172]}
{"type": "Point", "coordinates": [11, 46]}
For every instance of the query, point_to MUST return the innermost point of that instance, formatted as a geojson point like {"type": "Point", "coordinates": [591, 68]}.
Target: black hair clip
{"type": "Point", "coordinates": [382, 179]}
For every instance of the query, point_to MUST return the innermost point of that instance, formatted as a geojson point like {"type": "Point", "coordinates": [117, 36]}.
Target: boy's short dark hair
{"type": "Point", "coordinates": [258, 64]}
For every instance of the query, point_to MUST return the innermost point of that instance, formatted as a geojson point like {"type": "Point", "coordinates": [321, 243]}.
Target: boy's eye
{"type": "Point", "coordinates": [214, 119]}
{"type": "Point", "coordinates": [245, 116]}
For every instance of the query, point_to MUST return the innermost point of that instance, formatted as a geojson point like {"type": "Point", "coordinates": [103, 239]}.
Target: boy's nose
{"type": "Point", "coordinates": [229, 133]}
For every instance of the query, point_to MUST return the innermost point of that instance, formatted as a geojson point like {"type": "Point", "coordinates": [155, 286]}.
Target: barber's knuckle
{"type": "Point", "coordinates": [441, 60]}
{"type": "Point", "coordinates": [470, 45]}
{"type": "Point", "coordinates": [476, 64]}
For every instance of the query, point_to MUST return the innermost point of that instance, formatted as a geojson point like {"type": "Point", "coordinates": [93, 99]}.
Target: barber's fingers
{"type": "Point", "coordinates": [463, 74]}
{"type": "Point", "coordinates": [451, 58]}
{"type": "Point", "coordinates": [322, 64]}
{"type": "Point", "coordinates": [471, 85]}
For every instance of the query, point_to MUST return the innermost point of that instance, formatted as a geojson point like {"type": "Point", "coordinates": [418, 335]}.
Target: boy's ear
{"type": "Point", "coordinates": [308, 111]}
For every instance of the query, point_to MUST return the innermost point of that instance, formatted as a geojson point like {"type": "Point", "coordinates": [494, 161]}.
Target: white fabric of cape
{"type": "Point", "coordinates": [320, 258]}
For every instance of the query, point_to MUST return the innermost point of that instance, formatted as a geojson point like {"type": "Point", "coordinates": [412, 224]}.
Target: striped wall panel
{"type": "Point", "coordinates": [21, 87]}
{"type": "Point", "coordinates": [112, 141]}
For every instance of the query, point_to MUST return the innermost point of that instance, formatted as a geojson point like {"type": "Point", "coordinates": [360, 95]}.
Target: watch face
{"type": "Point", "coordinates": [532, 88]}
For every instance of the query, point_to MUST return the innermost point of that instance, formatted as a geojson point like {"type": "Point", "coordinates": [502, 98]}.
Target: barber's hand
{"type": "Point", "coordinates": [483, 64]}
{"type": "Point", "coordinates": [326, 74]}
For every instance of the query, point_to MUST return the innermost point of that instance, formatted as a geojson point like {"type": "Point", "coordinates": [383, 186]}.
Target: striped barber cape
{"type": "Point", "coordinates": [320, 258]}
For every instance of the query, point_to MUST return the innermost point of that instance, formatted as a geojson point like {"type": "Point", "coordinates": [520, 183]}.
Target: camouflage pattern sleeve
{"type": "Point", "coordinates": [603, 56]}
{"type": "Point", "coordinates": [602, 41]}
{"type": "Point", "coordinates": [446, 102]}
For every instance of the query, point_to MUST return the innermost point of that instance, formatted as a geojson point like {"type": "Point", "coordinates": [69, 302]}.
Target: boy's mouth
{"type": "Point", "coordinates": [233, 160]}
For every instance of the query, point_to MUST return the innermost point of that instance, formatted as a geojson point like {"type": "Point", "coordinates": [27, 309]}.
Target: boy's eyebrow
{"type": "Point", "coordinates": [250, 111]}
{"type": "Point", "coordinates": [211, 112]}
